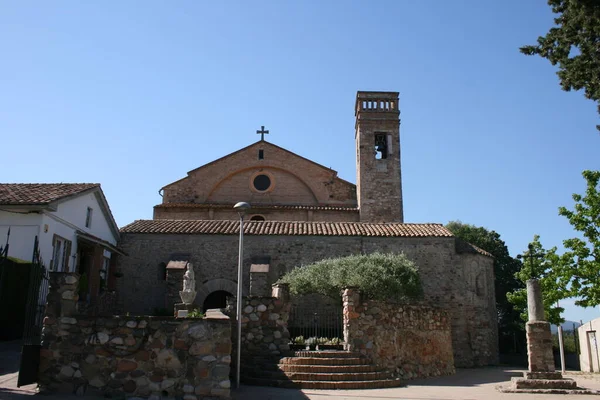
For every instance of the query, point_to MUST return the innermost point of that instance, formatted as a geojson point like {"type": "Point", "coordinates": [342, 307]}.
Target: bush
{"type": "Point", "coordinates": [378, 276]}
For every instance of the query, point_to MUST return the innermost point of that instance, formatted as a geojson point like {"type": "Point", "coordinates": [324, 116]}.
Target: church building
{"type": "Point", "coordinates": [302, 212]}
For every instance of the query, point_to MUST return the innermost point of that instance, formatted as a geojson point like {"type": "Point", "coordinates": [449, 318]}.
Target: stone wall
{"type": "Point", "coordinates": [413, 341]}
{"type": "Point", "coordinates": [264, 326]}
{"type": "Point", "coordinates": [460, 281]}
{"type": "Point", "coordinates": [133, 356]}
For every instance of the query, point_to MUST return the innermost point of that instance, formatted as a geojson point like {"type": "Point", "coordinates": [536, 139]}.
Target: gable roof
{"type": "Point", "coordinates": [253, 144]}
{"type": "Point", "coordinates": [40, 193]}
{"type": "Point", "coordinates": [45, 196]}
{"type": "Point", "coordinates": [294, 228]}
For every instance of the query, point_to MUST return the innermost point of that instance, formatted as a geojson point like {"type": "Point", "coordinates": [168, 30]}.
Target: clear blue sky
{"type": "Point", "coordinates": [135, 94]}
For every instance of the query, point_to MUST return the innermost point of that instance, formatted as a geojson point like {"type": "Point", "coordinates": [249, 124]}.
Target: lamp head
{"type": "Point", "coordinates": [241, 208]}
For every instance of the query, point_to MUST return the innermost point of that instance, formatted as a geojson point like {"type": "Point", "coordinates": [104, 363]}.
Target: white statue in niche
{"type": "Point", "coordinates": [188, 294]}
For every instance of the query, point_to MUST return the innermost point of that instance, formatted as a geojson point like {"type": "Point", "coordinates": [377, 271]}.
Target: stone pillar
{"type": "Point", "coordinates": [539, 347]}
{"type": "Point", "coordinates": [350, 303]}
{"type": "Point", "coordinates": [541, 376]}
{"type": "Point", "coordinates": [259, 285]}
{"type": "Point", "coordinates": [61, 305]}
{"type": "Point", "coordinates": [63, 294]}
{"type": "Point", "coordinates": [539, 337]}
{"type": "Point", "coordinates": [535, 304]}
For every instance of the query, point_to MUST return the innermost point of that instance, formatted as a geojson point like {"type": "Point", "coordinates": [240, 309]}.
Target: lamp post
{"type": "Point", "coordinates": [241, 209]}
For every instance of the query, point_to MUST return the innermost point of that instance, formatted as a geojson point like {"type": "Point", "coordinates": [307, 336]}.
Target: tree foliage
{"type": "Point", "coordinates": [573, 44]}
{"type": "Point", "coordinates": [545, 270]}
{"type": "Point", "coordinates": [580, 264]}
{"type": "Point", "coordinates": [378, 276]}
{"type": "Point", "coordinates": [510, 327]}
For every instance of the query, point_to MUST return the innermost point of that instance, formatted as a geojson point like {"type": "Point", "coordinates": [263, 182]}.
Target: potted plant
{"type": "Point", "coordinates": [332, 344]}
{"type": "Point", "coordinates": [311, 342]}
{"type": "Point", "coordinates": [298, 344]}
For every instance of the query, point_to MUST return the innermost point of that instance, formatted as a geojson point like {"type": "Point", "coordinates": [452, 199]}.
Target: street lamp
{"type": "Point", "coordinates": [241, 209]}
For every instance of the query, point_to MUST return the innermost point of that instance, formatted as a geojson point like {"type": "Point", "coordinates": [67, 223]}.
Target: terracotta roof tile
{"type": "Point", "coordinates": [39, 193]}
{"type": "Point", "coordinates": [296, 228]}
{"type": "Point", "coordinates": [261, 206]}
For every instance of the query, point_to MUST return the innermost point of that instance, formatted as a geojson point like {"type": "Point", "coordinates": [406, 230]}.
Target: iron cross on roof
{"type": "Point", "coordinates": [262, 132]}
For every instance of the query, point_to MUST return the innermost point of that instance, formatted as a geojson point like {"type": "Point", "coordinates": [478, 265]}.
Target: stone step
{"type": "Point", "coordinates": [523, 383]}
{"type": "Point", "coordinates": [299, 384]}
{"type": "Point", "coordinates": [322, 361]}
{"type": "Point", "coordinates": [317, 376]}
{"type": "Point", "coordinates": [327, 354]}
{"type": "Point", "coordinates": [328, 368]}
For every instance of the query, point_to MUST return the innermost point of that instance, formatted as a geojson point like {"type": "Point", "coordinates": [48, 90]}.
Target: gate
{"type": "Point", "coordinates": [34, 315]}
{"type": "Point", "coordinates": [316, 316]}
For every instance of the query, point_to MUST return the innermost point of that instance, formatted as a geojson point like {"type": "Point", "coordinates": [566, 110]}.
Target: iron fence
{"type": "Point", "coordinates": [322, 322]}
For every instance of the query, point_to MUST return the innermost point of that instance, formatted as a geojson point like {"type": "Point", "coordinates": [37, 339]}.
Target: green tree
{"type": "Point", "coordinates": [580, 264]}
{"type": "Point", "coordinates": [573, 44]}
{"type": "Point", "coordinates": [544, 269]}
{"type": "Point", "coordinates": [378, 276]}
{"type": "Point", "coordinates": [510, 326]}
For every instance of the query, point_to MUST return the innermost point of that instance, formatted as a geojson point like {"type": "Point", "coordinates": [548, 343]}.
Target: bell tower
{"type": "Point", "coordinates": [378, 174]}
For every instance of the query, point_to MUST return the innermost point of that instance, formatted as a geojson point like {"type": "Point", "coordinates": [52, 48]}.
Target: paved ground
{"type": "Point", "coordinates": [467, 384]}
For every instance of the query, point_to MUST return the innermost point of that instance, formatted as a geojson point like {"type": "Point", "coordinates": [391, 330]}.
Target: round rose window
{"type": "Point", "coordinates": [262, 183]}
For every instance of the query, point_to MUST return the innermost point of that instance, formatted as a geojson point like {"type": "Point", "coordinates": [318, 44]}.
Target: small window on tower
{"type": "Point", "coordinates": [381, 147]}
{"type": "Point", "coordinates": [261, 154]}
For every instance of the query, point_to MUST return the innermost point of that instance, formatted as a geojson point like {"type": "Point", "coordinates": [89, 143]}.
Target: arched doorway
{"type": "Point", "coordinates": [216, 285]}
{"type": "Point", "coordinates": [217, 299]}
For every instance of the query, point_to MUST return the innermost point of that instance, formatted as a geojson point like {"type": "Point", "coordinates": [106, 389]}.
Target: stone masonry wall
{"type": "Point", "coordinates": [413, 341]}
{"type": "Point", "coordinates": [462, 283]}
{"type": "Point", "coordinates": [139, 356]}
{"type": "Point", "coordinates": [539, 346]}
{"type": "Point", "coordinates": [264, 326]}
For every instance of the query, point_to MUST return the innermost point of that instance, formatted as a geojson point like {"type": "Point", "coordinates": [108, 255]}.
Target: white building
{"type": "Point", "coordinates": [589, 358]}
{"type": "Point", "coordinates": [73, 223]}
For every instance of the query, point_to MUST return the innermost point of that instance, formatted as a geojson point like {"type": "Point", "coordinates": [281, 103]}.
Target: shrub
{"type": "Point", "coordinates": [378, 276]}
{"type": "Point", "coordinates": [195, 313]}
{"type": "Point", "coordinates": [299, 340]}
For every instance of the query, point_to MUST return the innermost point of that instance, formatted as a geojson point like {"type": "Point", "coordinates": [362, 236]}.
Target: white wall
{"type": "Point", "coordinates": [69, 216]}
{"type": "Point", "coordinates": [23, 229]}
{"type": "Point", "coordinates": [589, 359]}
{"type": "Point", "coordinates": [75, 211]}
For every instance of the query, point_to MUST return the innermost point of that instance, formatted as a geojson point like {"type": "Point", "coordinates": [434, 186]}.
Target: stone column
{"type": "Point", "coordinates": [350, 303]}
{"type": "Point", "coordinates": [63, 294]}
{"type": "Point", "coordinates": [539, 337]}
{"type": "Point", "coordinates": [541, 376]}
{"type": "Point", "coordinates": [61, 306]}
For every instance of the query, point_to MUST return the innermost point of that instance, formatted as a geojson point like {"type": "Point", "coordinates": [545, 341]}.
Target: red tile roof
{"type": "Point", "coordinates": [260, 206]}
{"type": "Point", "coordinates": [296, 228]}
{"type": "Point", "coordinates": [39, 193]}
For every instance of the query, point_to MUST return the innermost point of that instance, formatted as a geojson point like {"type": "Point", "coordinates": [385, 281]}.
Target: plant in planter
{"type": "Point", "coordinates": [195, 313]}
{"type": "Point", "coordinates": [311, 342]}
{"type": "Point", "coordinates": [298, 343]}
{"type": "Point", "coordinates": [332, 344]}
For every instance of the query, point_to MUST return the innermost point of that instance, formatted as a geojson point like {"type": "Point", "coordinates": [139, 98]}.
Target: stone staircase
{"type": "Point", "coordinates": [317, 370]}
